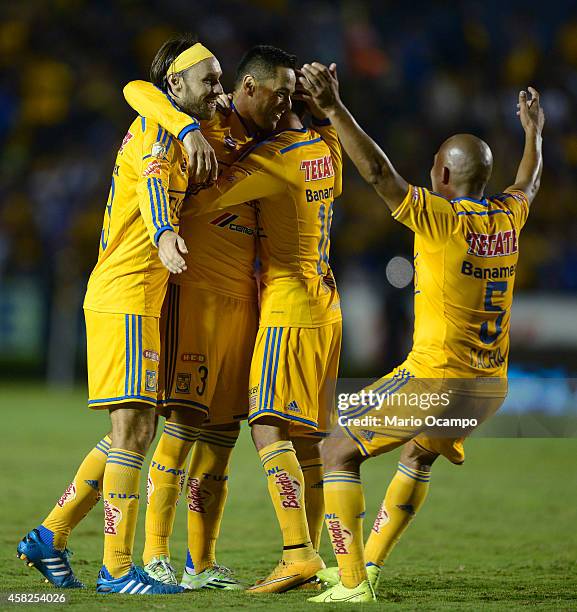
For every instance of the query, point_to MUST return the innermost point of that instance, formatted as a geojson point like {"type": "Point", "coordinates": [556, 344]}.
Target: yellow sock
{"type": "Point", "coordinates": [314, 498]}
{"type": "Point", "coordinates": [285, 487]}
{"type": "Point", "coordinates": [207, 490]}
{"type": "Point", "coordinates": [79, 498]}
{"type": "Point", "coordinates": [121, 494]}
{"type": "Point", "coordinates": [166, 476]}
{"type": "Point", "coordinates": [405, 495]}
{"type": "Point", "coordinates": [344, 513]}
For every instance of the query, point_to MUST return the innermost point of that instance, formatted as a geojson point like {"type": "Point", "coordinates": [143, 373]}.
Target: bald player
{"type": "Point", "coordinates": [466, 252]}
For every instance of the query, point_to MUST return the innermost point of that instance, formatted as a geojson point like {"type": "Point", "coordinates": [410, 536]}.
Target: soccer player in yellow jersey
{"type": "Point", "coordinates": [139, 245]}
{"type": "Point", "coordinates": [466, 251]}
{"type": "Point", "coordinates": [209, 322]}
{"type": "Point", "coordinates": [294, 174]}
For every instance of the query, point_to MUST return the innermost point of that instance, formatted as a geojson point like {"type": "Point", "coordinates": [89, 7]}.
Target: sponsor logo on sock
{"type": "Point", "coordinates": [341, 537]}
{"type": "Point", "coordinates": [112, 516]}
{"type": "Point", "coordinates": [166, 470]}
{"type": "Point", "coordinates": [149, 489]}
{"type": "Point", "coordinates": [289, 489]}
{"type": "Point", "coordinates": [181, 485]}
{"type": "Point", "coordinates": [124, 495]}
{"type": "Point", "coordinates": [198, 499]}
{"type": "Point", "coordinates": [68, 495]}
{"type": "Point", "coordinates": [381, 520]}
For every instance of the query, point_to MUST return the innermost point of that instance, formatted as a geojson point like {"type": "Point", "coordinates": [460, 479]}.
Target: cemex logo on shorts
{"type": "Point", "coordinates": [289, 488]}
{"type": "Point", "coordinates": [112, 516]}
{"type": "Point", "coordinates": [68, 495]}
{"type": "Point", "coordinates": [341, 537]}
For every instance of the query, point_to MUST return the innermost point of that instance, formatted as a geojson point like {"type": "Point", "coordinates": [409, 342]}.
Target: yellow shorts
{"type": "Point", "coordinates": [207, 341]}
{"type": "Point", "coordinates": [123, 357]}
{"type": "Point", "coordinates": [437, 414]}
{"type": "Point", "coordinates": [293, 376]}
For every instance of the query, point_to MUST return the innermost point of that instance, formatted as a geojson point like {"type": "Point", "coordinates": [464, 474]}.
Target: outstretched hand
{"type": "Point", "coordinates": [530, 112]}
{"type": "Point", "coordinates": [321, 84]}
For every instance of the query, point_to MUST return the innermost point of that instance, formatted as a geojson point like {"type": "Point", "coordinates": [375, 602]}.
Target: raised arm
{"type": "Point", "coordinates": [532, 119]}
{"type": "Point", "coordinates": [374, 166]}
{"type": "Point", "coordinates": [154, 104]}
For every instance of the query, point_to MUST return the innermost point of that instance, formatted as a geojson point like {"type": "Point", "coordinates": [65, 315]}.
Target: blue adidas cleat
{"type": "Point", "coordinates": [135, 582]}
{"type": "Point", "coordinates": [51, 563]}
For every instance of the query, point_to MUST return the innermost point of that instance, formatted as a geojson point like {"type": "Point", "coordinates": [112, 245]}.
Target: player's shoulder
{"type": "Point", "coordinates": [510, 196]}
{"type": "Point", "coordinates": [283, 143]}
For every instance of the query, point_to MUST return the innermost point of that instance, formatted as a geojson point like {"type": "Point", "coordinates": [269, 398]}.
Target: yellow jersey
{"type": "Point", "coordinates": [222, 245]}
{"type": "Point", "coordinates": [465, 257]}
{"type": "Point", "coordinates": [294, 175]}
{"type": "Point", "coordinates": [149, 182]}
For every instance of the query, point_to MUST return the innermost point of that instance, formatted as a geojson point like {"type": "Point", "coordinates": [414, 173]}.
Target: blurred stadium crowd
{"type": "Point", "coordinates": [412, 75]}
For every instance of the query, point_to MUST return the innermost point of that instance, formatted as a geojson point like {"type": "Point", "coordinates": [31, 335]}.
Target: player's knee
{"type": "Point", "coordinates": [416, 457]}
{"type": "Point", "coordinates": [340, 454]}
{"type": "Point", "coordinates": [307, 447]}
{"type": "Point", "coordinates": [268, 430]}
{"type": "Point", "coordinates": [186, 416]}
{"type": "Point", "coordinates": [133, 428]}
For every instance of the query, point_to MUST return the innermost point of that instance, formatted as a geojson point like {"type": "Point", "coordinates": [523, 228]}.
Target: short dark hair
{"type": "Point", "coordinates": [169, 51]}
{"type": "Point", "coordinates": [262, 61]}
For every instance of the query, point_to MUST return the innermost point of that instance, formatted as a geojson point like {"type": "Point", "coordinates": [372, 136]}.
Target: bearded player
{"type": "Point", "coordinates": [466, 252]}
{"type": "Point", "coordinates": [139, 245]}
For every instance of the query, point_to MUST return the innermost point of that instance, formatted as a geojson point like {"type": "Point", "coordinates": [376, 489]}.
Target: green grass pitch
{"type": "Point", "coordinates": [497, 533]}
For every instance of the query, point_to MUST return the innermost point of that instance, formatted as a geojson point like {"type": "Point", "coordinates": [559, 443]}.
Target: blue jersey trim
{"type": "Point", "coordinates": [161, 231]}
{"type": "Point", "coordinates": [126, 353]}
{"type": "Point", "coordinates": [320, 122]}
{"type": "Point", "coordinates": [296, 145]}
{"type": "Point", "coordinates": [483, 213]}
{"type": "Point", "coordinates": [483, 202]}
{"type": "Point", "coordinates": [189, 128]}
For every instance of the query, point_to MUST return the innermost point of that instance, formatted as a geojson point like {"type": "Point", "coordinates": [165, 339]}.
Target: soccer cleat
{"type": "Point", "coordinates": [160, 569]}
{"type": "Point", "coordinates": [135, 582]}
{"type": "Point", "coordinates": [339, 593]}
{"type": "Point", "coordinates": [313, 584]}
{"type": "Point", "coordinates": [286, 576]}
{"type": "Point", "coordinates": [216, 577]}
{"type": "Point", "coordinates": [331, 576]}
{"type": "Point", "coordinates": [51, 563]}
